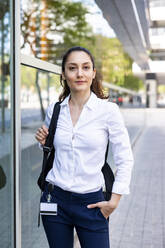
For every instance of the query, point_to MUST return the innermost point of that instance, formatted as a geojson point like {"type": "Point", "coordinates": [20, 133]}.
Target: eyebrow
{"type": "Point", "coordinates": [76, 64]}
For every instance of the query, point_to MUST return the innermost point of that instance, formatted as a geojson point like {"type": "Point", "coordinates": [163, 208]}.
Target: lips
{"type": "Point", "coordinates": [79, 82]}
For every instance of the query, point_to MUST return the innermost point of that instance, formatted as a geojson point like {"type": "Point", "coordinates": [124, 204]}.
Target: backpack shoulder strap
{"type": "Point", "coordinates": [52, 128]}
{"type": "Point", "coordinates": [106, 154]}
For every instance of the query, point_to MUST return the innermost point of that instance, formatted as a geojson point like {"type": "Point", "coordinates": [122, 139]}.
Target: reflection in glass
{"type": "Point", "coordinates": [50, 27]}
{"type": "Point", "coordinates": [5, 130]}
{"type": "Point", "coordinates": [38, 90]}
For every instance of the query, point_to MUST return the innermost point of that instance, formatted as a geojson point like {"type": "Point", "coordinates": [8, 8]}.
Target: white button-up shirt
{"type": "Point", "coordinates": [80, 149]}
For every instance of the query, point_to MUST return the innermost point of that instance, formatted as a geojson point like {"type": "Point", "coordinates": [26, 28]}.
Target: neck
{"type": "Point", "coordinates": [78, 99]}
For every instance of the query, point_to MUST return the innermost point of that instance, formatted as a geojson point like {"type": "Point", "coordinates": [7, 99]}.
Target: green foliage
{"type": "Point", "coordinates": [28, 76]}
{"type": "Point", "coordinates": [54, 80]}
{"type": "Point", "coordinates": [112, 59]}
{"type": "Point", "coordinates": [132, 82]}
{"type": "Point", "coordinates": [161, 89]}
{"type": "Point", "coordinates": [114, 64]}
{"type": "Point", "coordinates": [53, 26]}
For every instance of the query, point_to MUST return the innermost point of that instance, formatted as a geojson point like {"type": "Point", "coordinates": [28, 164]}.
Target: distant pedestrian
{"type": "Point", "coordinates": [139, 100]}
{"type": "Point", "coordinates": [131, 99]}
{"type": "Point", "coordinates": [120, 101]}
{"type": "Point", "coordinates": [86, 122]}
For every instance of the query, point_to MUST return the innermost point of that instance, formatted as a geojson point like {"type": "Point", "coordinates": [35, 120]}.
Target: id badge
{"type": "Point", "coordinates": [48, 208]}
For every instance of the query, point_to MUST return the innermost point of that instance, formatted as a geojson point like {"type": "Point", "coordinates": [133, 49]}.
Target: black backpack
{"type": "Point", "coordinates": [48, 157]}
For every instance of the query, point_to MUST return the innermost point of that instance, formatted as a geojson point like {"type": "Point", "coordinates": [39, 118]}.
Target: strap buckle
{"type": "Point", "coordinates": [47, 149]}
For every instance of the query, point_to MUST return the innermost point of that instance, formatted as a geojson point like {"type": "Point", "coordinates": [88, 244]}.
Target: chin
{"type": "Point", "coordinates": [81, 88]}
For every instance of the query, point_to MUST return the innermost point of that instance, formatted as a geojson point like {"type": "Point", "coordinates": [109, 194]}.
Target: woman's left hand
{"type": "Point", "coordinates": [107, 207]}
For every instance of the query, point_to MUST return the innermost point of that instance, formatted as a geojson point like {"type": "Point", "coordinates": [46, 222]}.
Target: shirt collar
{"type": "Point", "coordinates": [65, 101]}
{"type": "Point", "coordinates": [91, 103]}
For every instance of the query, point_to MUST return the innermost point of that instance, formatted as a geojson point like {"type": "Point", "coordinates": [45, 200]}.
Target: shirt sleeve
{"type": "Point", "coordinates": [47, 120]}
{"type": "Point", "coordinates": [121, 150]}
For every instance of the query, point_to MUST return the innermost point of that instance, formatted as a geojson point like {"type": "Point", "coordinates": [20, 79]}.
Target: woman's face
{"type": "Point", "coordinates": [79, 71]}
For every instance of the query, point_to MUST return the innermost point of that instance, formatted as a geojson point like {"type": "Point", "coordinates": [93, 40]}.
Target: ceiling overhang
{"type": "Point", "coordinates": [128, 20]}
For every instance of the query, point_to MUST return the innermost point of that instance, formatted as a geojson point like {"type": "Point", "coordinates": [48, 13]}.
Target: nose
{"type": "Point", "coordinates": [79, 72]}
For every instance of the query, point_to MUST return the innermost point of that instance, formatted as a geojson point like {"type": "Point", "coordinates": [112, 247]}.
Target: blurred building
{"type": "Point", "coordinates": [140, 26]}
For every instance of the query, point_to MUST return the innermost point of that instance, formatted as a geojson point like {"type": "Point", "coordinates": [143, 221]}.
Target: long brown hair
{"type": "Point", "coordinates": [96, 86]}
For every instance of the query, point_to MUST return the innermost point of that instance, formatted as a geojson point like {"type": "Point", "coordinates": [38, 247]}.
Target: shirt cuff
{"type": "Point", "coordinates": [40, 146]}
{"type": "Point", "coordinates": [120, 188]}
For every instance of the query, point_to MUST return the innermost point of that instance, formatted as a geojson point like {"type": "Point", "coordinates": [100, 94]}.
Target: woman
{"type": "Point", "coordinates": [85, 124]}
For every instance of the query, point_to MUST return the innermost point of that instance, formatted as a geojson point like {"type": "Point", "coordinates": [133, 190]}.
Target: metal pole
{"type": "Point", "coordinates": [16, 117]}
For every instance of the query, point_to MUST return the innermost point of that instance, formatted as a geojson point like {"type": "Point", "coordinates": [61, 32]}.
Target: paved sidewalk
{"type": "Point", "coordinates": [139, 220]}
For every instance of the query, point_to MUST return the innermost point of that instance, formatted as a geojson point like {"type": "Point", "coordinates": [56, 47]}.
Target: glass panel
{"type": "Point", "coordinates": [157, 37]}
{"type": "Point", "coordinates": [5, 129]}
{"type": "Point", "coordinates": [50, 27]}
{"type": "Point", "coordinates": [34, 84]}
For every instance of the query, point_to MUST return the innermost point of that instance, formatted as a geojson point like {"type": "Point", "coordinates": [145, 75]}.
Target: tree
{"type": "Point", "coordinates": [114, 64]}
{"type": "Point", "coordinates": [132, 82]}
{"type": "Point", "coordinates": [52, 27]}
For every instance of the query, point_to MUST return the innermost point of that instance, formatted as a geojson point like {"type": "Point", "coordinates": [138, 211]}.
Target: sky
{"type": "Point", "coordinates": [96, 19]}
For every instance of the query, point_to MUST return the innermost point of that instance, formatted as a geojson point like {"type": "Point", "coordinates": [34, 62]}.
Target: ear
{"type": "Point", "coordinates": [94, 73]}
{"type": "Point", "coordinates": [63, 76]}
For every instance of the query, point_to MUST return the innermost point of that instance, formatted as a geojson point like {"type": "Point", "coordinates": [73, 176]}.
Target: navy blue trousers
{"type": "Point", "coordinates": [91, 226]}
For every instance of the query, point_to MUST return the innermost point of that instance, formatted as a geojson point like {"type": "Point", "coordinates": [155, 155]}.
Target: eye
{"type": "Point", "coordinates": [86, 67]}
{"type": "Point", "coordinates": [71, 68]}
